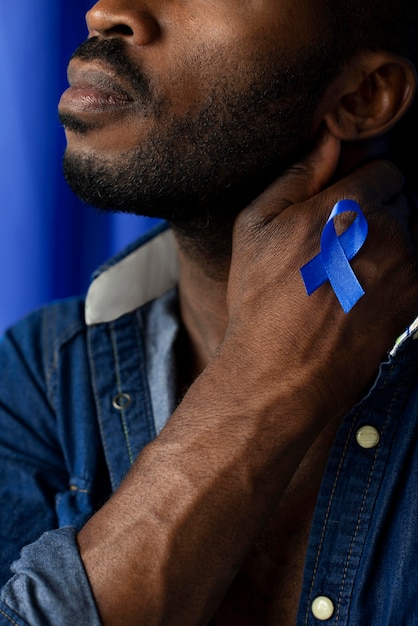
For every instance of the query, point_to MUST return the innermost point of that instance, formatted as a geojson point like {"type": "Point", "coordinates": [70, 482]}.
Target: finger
{"type": "Point", "coordinates": [377, 183]}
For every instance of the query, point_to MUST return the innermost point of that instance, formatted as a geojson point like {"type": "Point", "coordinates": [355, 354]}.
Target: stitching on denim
{"type": "Point", "coordinates": [45, 330]}
{"type": "Point", "coordinates": [59, 340]}
{"type": "Point", "coordinates": [347, 562]}
{"type": "Point", "coordinates": [98, 405]}
{"type": "Point", "coordinates": [48, 320]}
{"type": "Point", "coordinates": [119, 387]}
{"type": "Point", "coordinates": [79, 489]}
{"type": "Point", "coordinates": [337, 476]}
{"type": "Point", "coordinates": [9, 618]}
{"type": "Point", "coordinates": [359, 518]}
{"type": "Point", "coordinates": [149, 414]}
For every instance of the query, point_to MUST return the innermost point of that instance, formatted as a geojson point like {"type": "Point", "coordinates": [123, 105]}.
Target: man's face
{"type": "Point", "coordinates": [188, 110]}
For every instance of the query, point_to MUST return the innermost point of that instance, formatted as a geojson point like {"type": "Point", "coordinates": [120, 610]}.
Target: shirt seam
{"type": "Point", "coordinates": [119, 388]}
{"type": "Point", "coordinates": [12, 621]}
{"type": "Point", "coordinates": [98, 403]}
{"type": "Point", "coordinates": [330, 502]}
{"type": "Point", "coordinates": [337, 477]}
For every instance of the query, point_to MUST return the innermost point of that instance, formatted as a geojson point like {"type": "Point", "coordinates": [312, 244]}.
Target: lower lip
{"type": "Point", "coordinates": [90, 100]}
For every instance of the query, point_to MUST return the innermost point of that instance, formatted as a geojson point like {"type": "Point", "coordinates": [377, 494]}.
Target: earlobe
{"type": "Point", "coordinates": [373, 93]}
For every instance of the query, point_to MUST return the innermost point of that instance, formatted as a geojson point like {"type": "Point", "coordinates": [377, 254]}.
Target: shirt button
{"type": "Point", "coordinates": [322, 608]}
{"type": "Point", "coordinates": [122, 401]}
{"type": "Point", "coordinates": [367, 437]}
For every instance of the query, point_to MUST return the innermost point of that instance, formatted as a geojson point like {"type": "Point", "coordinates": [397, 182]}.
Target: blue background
{"type": "Point", "coordinates": [49, 241]}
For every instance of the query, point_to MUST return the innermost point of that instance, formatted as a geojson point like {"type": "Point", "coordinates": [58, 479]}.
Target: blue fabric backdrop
{"type": "Point", "coordinates": [49, 242]}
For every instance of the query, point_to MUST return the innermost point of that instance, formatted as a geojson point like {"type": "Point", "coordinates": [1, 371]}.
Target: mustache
{"type": "Point", "coordinates": [112, 51]}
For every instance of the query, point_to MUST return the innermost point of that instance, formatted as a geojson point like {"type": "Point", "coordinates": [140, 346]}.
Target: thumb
{"type": "Point", "coordinates": [300, 181]}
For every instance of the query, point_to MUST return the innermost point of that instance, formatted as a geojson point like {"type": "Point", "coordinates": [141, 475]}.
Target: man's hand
{"type": "Point", "coordinates": [167, 545]}
{"type": "Point", "coordinates": [307, 342]}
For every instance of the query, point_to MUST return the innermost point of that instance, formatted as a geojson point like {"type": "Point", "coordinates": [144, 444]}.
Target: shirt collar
{"type": "Point", "coordinates": [143, 272]}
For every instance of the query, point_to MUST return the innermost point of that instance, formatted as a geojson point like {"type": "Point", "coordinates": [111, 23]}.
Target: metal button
{"type": "Point", "coordinates": [367, 437]}
{"type": "Point", "coordinates": [322, 608]}
{"type": "Point", "coordinates": [122, 401]}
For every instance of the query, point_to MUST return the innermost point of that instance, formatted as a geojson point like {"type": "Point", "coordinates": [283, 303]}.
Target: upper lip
{"type": "Point", "coordinates": [95, 75]}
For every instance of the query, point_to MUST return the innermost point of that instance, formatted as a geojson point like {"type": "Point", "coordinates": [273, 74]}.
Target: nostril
{"type": "Point", "coordinates": [122, 29]}
{"type": "Point", "coordinates": [138, 26]}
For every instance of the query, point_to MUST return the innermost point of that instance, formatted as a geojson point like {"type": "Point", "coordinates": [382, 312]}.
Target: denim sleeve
{"type": "Point", "coordinates": [49, 585]}
{"type": "Point", "coordinates": [45, 493]}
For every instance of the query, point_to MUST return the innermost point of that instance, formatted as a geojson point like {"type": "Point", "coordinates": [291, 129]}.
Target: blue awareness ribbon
{"type": "Point", "coordinates": [332, 262]}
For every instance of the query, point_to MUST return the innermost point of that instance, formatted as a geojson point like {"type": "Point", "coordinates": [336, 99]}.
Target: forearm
{"type": "Point", "coordinates": [167, 545]}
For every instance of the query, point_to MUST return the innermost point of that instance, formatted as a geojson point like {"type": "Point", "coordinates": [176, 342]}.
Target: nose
{"type": "Point", "coordinates": [122, 18]}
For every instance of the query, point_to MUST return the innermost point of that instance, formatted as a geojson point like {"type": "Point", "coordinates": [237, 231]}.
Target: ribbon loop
{"type": "Point", "coordinates": [332, 262]}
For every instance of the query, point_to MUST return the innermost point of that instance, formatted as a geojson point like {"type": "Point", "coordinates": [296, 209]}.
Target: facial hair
{"type": "Point", "coordinates": [199, 170]}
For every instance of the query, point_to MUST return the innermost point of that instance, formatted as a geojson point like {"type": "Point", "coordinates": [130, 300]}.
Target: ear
{"type": "Point", "coordinates": [371, 94]}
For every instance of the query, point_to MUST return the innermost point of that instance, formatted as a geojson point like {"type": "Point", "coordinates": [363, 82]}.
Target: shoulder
{"type": "Point", "coordinates": [33, 345]}
{"type": "Point", "coordinates": [57, 320]}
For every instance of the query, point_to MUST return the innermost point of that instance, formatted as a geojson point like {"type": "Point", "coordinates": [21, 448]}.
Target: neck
{"type": "Point", "coordinates": [205, 256]}
{"type": "Point", "coordinates": [204, 262]}
{"type": "Point", "coordinates": [356, 154]}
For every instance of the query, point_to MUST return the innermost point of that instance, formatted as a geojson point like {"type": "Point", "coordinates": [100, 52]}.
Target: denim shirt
{"type": "Point", "coordinates": [86, 383]}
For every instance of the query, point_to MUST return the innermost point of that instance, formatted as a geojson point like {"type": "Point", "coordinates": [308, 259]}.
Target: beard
{"type": "Point", "coordinates": [199, 170]}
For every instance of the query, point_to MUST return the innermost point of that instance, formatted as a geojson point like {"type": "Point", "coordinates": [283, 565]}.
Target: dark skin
{"type": "Point", "coordinates": [241, 460]}
{"type": "Point", "coordinates": [168, 547]}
